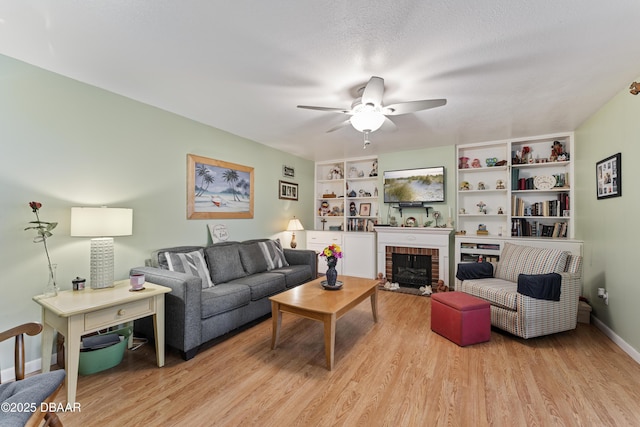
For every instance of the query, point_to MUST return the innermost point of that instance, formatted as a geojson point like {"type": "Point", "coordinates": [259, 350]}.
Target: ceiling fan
{"type": "Point", "coordinates": [367, 112]}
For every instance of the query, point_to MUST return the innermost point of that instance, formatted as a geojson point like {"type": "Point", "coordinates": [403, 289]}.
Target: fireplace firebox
{"type": "Point", "coordinates": [411, 270]}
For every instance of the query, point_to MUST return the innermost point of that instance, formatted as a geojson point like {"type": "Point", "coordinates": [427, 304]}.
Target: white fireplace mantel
{"type": "Point", "coordinates": [416, 237]}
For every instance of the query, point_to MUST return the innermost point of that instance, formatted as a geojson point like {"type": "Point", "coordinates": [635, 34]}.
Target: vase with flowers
{"type": "Point", "coordinates": [43, 232]}
{"type": "Point", "coordinates": [332, 253]}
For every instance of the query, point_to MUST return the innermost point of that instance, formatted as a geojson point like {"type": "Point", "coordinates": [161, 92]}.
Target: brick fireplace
{"type": "Point", "coordinates": [428, 241]}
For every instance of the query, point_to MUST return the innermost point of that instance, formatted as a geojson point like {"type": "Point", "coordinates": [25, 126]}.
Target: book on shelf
{"type": "Point", "coordinates": [521, 227]}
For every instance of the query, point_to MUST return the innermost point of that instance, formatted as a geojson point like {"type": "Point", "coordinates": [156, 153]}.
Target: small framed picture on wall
{"type": "Point", "coordinates": [287, 190]}
{"type": "Point", "coordinates": [609, 177]}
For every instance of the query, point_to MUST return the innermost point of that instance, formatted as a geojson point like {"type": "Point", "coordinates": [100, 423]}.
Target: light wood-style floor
{"type": "Point", "coordinates": [393, 373]}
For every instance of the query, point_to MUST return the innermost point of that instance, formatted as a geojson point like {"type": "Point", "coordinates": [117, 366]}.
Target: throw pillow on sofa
{"type": "Point", "coordinates": [273, 254]}
{"type": "Point", "coordinates": [191, 263]}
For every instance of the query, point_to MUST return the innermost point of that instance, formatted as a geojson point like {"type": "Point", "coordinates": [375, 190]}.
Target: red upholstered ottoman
{"type": "Point", "coordinates": [461, 318]}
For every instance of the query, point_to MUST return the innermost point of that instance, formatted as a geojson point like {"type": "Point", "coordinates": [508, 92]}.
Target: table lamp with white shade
{"type": "Point", "coordinates": [102, 224]}
{"type": "Point", "coordinates": [294, 225]}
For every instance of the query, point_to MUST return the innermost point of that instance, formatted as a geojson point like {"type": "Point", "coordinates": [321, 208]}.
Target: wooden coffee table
{"type": "Point", "coordinates": [312, 301]}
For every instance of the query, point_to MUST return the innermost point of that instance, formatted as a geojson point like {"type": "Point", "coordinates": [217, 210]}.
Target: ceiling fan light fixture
{"type": "Point", "coordinates": [367, 120]}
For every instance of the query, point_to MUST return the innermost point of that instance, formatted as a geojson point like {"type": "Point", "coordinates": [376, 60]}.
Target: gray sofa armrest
{"type": "Point", "coordinates": [183, 306]}
{"type": "Point", "coordinates": [303, 257]}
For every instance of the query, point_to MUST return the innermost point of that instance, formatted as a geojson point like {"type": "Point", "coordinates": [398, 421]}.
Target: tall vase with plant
{"type": "Point", "coordinates": [43, 231]}
{"type": "Point", "coordinates": [332, 253]}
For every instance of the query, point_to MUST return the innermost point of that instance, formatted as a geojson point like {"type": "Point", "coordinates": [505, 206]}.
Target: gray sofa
{"type": "Point", "coordinates": [243, 275]}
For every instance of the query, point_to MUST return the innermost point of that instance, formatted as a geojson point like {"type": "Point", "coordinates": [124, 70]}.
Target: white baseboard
{"type": "Point", "coordinates": [9, 374]}
{"type": "Point", "coordinates": [635, 355]}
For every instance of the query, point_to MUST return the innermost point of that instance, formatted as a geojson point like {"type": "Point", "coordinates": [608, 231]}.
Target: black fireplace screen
{"type": "Point", "coordinates": [411, 270]}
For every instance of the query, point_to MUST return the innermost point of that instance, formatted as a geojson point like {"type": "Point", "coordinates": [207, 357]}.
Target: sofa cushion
{"type": "Point", "coordinates": [224, 262]}
{"type": "Point", "coordinates": [295, 275]}
{"type": "Point", "coordinates": [252, 258]}
{"type": "Point", "coordinates": [498, 292]}
{"type": "Point", "coordinates": [262, 284]}
{"type": "Point", "coordinates": [190, 263]}
{"type": "Point", "coordinates": [224, 297]}
{"type": "Point", "coordinates": [273, 254]}
{"type": "Point", "coordinates": [518, 259]}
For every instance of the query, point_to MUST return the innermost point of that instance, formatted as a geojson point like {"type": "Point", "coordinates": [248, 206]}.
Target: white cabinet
{"type": "Point", "coordinates": [346, 195]}
{"type": "Point", "coordinates": [528, 193]}
{"type": "Point", "coordinates": [318, 240]}
{"type": "Point", "coordinates": [359, 254]}
{"type": "Point", "coordinates": [358, 249]}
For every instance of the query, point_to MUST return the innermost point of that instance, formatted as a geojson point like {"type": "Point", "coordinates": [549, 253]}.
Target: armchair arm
{"type": "Point", "coordinates": [542, 317]}
{"type": "Point", "coordinates": [183, 306]}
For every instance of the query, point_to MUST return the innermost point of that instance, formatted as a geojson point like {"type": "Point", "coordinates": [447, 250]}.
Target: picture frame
{"type": "Point", "coordinates": [287, 190]}
{"type": "Point", "coordinates": [609, 177]}
{"type": "Point", "coordinates": [288, 171]}
{"type": "Point", "coordinates": [365, 209]}
{"type": "Point", "coordinates": [218, 189]}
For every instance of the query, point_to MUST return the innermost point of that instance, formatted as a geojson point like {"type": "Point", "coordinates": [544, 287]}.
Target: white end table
{"type": "Point", "coordinates": [77, 313]}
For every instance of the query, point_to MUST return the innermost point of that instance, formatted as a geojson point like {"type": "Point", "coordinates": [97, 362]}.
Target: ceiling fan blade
{"type": "Point", "coordinates": [388, 124]}
{"type": "Point", "coordinates": [373, 91]}
{"type": "Point", "coordinates": [412, 106]}
{"type": "Point", "coordinates": [339, 126]}
{"type": "Point", "coordinates": [337, 110]}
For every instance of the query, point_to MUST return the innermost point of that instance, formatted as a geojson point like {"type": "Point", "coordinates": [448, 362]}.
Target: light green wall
{"type": "Point", "coordinates": [64, 143]}
{"type": "Point", "coordinates": [608, 226]}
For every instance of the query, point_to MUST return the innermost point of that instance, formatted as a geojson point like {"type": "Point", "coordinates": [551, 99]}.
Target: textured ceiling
{"type": "Point", "coordinates": [508, 68]}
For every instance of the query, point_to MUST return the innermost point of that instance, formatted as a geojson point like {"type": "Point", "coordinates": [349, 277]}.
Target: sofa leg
{"type": "Point", "coordinates": [186, 355]}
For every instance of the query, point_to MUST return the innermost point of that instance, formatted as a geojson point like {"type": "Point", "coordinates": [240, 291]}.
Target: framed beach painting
{"type": "Point", "coordinates": [218, 189]}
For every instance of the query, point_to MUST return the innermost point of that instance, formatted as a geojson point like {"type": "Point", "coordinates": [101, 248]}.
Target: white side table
{"type": "Point", "coordinates": [77, 313]}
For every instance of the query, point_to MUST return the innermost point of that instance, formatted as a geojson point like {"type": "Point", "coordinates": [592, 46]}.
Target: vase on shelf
{"type": "Point", "coordinates": [51, 290]}
{"type": "Point", "coordinates": [332, 274]}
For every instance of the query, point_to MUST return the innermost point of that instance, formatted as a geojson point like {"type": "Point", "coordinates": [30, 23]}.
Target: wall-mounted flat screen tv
{"type": "Point", "coordinates": [414, 186]}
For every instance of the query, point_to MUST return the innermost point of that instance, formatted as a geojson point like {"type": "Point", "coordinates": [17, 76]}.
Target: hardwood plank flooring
{"type": "Point", "coordinates": [392, 373]}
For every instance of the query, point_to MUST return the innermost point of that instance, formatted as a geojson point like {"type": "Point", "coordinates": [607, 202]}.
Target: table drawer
{"type": "Point", "coordinates": [119, 313]}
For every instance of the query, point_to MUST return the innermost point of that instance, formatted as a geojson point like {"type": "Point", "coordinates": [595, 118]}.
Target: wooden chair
{"type": "Point", "coordinates": [33, 391]}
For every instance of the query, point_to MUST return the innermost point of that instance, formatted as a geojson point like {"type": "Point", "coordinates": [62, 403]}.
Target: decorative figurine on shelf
{"type": "Point", "coordinates": [464, 185]}
{"type": "Point", "coordinates": [481, 186]}
{"type": "Point", "coordinates": [491, 161]}
{"type": "Point", "coordinates": [353, 172]}
{"type": "Point", "coordinates": [500, 212]}
{"type": "Point", "coordinates": [500, 185]}
{"type": "Point", "coordinates": [436, 215]}
{"type": "Point", "coordinates": [462, 211]}
{"type": "Point", "coordinates": [324, 208]}
{"type": "Point", "coordinates": [481, 206]}
{"type": "Point", "coordinates": [441, 286]}
{"type": "Point", "coordinates": [393, 222]}
{"type": "Point", "coordinates": [464, 163]}
{"type": "Point", "coordinates": [476, 163]}
{"type": "Point", "coordinates": [374, 169]}
{"type": "Point", "coordinates": [557, 152]}
{"type": "Point", "coordinates": [352, 209]}
{"type": "Point", "coordinates": [375, 192]}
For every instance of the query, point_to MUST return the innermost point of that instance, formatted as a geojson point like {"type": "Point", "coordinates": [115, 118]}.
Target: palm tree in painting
{"type": "Point", "coordinates": [243, 187]}
{"type": "Point", "coordinates": [207, 178]}
{"type": "Point", "coordinates": [231, 177]}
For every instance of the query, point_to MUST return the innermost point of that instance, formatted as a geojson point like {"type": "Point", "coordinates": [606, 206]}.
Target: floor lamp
{"type": "Point", "coordinates": [102, 224]}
